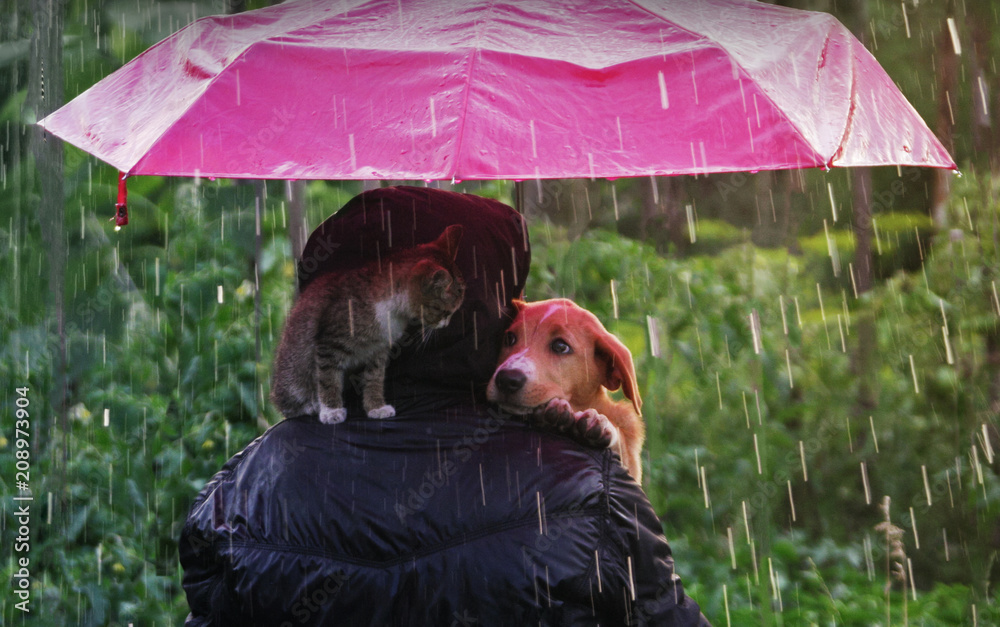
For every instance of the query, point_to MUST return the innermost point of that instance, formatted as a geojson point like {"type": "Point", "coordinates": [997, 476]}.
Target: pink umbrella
{"type": "Point", "coordinates": [479, 89]}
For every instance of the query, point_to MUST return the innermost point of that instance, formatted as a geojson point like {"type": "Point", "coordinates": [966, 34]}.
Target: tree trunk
{"type": "Point", "coordinates": [295, 194]}
{"type": "Point", "coordinates": [863, 357]}
{"type": "Point", "coordinates": [979, 20]}
{"type": "Point", "coordinates": [947, 68]}
{"type": "Point", "coordinates": [45, 95]}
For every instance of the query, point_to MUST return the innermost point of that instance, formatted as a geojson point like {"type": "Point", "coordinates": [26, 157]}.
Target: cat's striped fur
{"type": "Point", "coordinates": [345, 321]}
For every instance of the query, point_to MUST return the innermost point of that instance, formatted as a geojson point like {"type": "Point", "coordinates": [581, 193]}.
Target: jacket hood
{"type": "Point", "coordinates": [493, 256]}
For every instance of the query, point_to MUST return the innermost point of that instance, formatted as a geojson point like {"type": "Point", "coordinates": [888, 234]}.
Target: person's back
{"type": "Point", "coordinates": [450, 513]}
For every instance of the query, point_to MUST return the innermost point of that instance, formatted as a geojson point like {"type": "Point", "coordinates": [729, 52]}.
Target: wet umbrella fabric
{"type": "Point", "coordinates": [474, 89]}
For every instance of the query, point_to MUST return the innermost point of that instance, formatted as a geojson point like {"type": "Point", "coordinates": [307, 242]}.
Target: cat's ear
{"type": "Point", "coordinates": [448, 241]}
{"type": "Point", "coordinates": [440, 278]}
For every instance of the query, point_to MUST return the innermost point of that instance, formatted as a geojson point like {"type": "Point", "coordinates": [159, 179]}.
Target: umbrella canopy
{"type": "Point", "coordinates": [479, 89]}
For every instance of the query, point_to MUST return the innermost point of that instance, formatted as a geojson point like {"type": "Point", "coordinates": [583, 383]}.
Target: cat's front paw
{"type": "Point", "coordinates": [332, 415]}
{"type": "Point", "coordinates": [385, 411]}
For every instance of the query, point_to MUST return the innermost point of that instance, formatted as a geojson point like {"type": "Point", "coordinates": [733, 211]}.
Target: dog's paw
{"type": "Point", "coordinates": [385, 411]}
{"type": "Point", "coordinates": [594, 428]}
{"type": "Point", "coordinates": [588, 426]}
{"type": "Point", "coordinates": [332, 415]}
{"type": "Point", "coordinates": [556, 414]}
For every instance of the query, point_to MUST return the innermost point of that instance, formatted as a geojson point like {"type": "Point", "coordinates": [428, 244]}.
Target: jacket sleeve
{"type": "Point", "coordinates": [204, 571]}
{"type": "Point", "coordinates": [644, 565]}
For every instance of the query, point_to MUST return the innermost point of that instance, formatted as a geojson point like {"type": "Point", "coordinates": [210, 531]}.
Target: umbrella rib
{"type": "Point", "coordinates": [208, 85]}
{"type": "Point", "coordinates": [476, 51]}
{"type": "Point", "coordinates": [217, 20]}
{"type": "Point", "coordinates": [743, 71]}
{"type": "Point", "coordinates": [851, 111]}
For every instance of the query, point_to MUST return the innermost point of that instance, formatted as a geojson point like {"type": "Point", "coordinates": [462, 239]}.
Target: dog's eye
{"type": "Point", "coordinates": [560, 347]}
{"type": "Point", "coordinates": [510, 338]}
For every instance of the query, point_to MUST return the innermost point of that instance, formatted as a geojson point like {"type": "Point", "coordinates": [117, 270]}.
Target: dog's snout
{"type": "Point", "coordinates": [510, 380]}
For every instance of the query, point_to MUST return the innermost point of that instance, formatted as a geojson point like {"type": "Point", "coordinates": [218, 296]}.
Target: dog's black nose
{"type": "Point", "coordinates": [510, 381]}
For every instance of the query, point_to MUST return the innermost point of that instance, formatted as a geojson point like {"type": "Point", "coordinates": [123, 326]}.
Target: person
{"type": "Point", "coordinates": [449, 513]}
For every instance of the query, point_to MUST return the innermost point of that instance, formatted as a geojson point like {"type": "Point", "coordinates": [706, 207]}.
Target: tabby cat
{"type": "Point", "coordinates": [348, 320]}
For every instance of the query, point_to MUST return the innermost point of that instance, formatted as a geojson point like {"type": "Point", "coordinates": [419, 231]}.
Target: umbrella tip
{"type": "Point", "coordinates": [121, 207]}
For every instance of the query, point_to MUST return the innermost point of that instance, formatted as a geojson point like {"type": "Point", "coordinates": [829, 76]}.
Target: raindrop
{"type": "Point", "coordinates": [909, 566]}
{"type": "Point", "coordinates": [755, 331]}
{"type": "Point", "coordinates": [433, 119]}
{"type": "Point", "coordinates": [631, 577]}
{"type": "Point", "coordinates": [746, 411]}
{"type": "Point", "coordinates": [704, 487]}
{"type": "Point", "coordinates": [987, 445]}
{"type": "Point", "coordinates": [732, 549]}
{"type": "Point", "coordinates": [953, 30]}
{"type": "Point", "coordinates": [927, 485]}
{"type": "Point", "coordinates": [784, 319]}
{"type": "Point", "coordinates": [871, 422]}
{"type": "Point", "coordinates": [864, 479]}
{"type": "Point", "coordinates": [791, 499]}
{"type": "Point", "coordinates": [840, 328]}
{"type": "Point", "coordinates": [653, 327]}
{"type": "Point", "coordinates": [718, 387]}
{"type": "Point", "coordinates": [916, 538]}
{"type": "Point", "coordinates": [978, 466]}
{"type": "Point", "coordinates": [869, 560]}
{"type": "Point", "coordinates": [775, 588]}
{"type": "Point", "coordinates": [534, 145]}
{"type": "Point", "coordinates": [832, 250]}
{"type": "Point", "coordinates": [949, 356]}
{"type": "Point", "coordinates": [756, 450]}
{"type": "Point", "coordinates": [746, 522]}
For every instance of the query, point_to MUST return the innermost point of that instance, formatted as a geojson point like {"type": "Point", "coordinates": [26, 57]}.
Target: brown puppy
{"type": "Point", "coordinates": [558, 363]}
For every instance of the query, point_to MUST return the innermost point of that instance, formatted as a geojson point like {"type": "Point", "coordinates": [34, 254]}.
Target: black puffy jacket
{"type": "Point", "coordinates": [450, 513]}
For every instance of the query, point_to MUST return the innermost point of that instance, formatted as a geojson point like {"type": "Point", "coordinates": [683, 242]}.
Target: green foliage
{"type": "Point", "coordinates": [712, 400]}
{"type": "Point", "coordinates": [164, 382]}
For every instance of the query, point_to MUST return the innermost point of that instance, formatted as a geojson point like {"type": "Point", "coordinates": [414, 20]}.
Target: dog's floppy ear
{"type": "Point", "coordinates": [621, 371]}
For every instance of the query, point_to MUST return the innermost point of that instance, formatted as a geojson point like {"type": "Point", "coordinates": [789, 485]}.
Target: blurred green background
{"type": "Point", "coordinates": [767, 465]}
